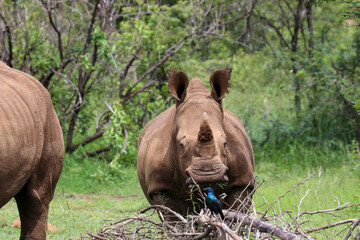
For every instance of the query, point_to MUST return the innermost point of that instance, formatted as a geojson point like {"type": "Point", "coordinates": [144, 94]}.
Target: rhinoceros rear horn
{"type": "Point", "coordinates": [178, 83]}
{"type": "Point", "coordinates": [205, 133]}
{"type": "Point", "coordinates": [219, 81]}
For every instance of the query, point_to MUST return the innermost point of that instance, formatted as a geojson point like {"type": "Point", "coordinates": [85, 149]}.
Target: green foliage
{"type": "Point", "coordinates": [121, 121]}
{"type": "Point", "coordinates": [263, 79]}
{"type": "Point", "coordinates": [353, 11]}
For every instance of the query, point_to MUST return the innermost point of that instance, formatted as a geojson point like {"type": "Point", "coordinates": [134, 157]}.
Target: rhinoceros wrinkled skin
{"type": "Point", "coordinates": [196, 139]}
{"type": "Point", "coordinates": [31, 149]}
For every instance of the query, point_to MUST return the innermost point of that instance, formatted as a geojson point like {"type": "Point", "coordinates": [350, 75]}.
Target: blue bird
{"type": "Point", "coordinates": [213, 203]}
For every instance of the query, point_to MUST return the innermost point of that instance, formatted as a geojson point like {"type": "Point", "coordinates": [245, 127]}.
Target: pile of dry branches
{"type": "Point", "coordinates": [237, 224]}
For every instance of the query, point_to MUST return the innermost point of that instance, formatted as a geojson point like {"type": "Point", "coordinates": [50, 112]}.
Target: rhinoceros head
{"type": "Point", "coordinates": [198, 142]}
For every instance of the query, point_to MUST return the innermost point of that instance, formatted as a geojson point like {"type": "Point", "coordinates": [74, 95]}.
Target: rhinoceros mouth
{"type": "Point", "coordinates": [216, 175]}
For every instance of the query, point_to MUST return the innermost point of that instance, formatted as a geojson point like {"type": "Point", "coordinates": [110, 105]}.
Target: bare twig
{"type": "Point", "coordinates": [263, 226]}
{"type": "Point", "coordinates": [331, 225]}
{"type": "Point", "coordinates": [355, 223]}
{"type": "Point", "coordinates": [289, 190]}
{"type": "Point", "coordinates": [160, 207]}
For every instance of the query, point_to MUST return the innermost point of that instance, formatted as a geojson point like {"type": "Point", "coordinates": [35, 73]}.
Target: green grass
{"type": "Point", "coordinates": [88, 193]}
{"type": "Point", "coordinates": [336, 182]}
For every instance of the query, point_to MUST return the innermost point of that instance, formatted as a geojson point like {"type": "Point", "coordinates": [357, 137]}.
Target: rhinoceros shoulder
{"type": "Point", "coordinates": [160, 126]}
{"type": "Point", "coordinates": [235, 129]}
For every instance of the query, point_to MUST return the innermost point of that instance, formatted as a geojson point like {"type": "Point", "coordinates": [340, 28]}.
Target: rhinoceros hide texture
{"type": "Point", "coordinates": [195, 140]}
{"type": "Point", "coordinates": [31, 149]}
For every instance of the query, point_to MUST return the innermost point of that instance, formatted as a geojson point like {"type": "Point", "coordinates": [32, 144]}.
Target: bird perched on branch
{"type": "Point", "coordinates": [213, 203]}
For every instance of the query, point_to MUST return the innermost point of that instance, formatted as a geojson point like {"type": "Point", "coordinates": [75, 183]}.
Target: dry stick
{"type": "Point", "coordinates": [238, 199]}
{"type": "Point", "coordinates": [157, 207]}
{"type": "Point", "coordinates": [198, 187]}
{"type": "Point", "coordinates": [355, 223]}
{"type": "Point", "coordinates": [206, 220]}
{"type": "Point", "coordinates": [275, 215]}
{"type": "Point", "coordinates": [357, 235]}
{"type": "Point", "coordinates": [185, 234]}
{"type": "Point", "coordinates": [205, 234]}
{"type": "Point", "coordinates": [257, 233]}
{"type": "Point", "coordinates": [265, 227]}
{"type": "Point", "coordinates": [302, 199]}
{"type": "Point", "coordinates": [298, 227]}
{"type": "Point", "coordinates": [326, 211]}
{"type": "Point", "coordinates": [96, 236]}
{"type": "Point", "coordinates": [224, 227]}
{"type": "Point", "coordinates": [331, 225]}
{"type": "Point", "coordinates": [247, 213]}
{"type": "Point", "coordinates": [338, 208]}
{"type": "Point", "coordinates": [282, 195]}
{"type": "Point", "coordinates": [246, 200]}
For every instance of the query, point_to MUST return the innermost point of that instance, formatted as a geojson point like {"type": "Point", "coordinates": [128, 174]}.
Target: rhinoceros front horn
{"type": "Point", "coordinates": [205, 134]}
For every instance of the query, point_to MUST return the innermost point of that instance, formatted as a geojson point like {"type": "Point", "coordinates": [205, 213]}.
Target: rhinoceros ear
{"type": "Point", "coordinates": [178, 83]}
{"type": "Point", "coordinates": [219, 81]}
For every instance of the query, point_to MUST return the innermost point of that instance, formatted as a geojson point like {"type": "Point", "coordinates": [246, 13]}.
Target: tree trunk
{"type": "Point", "coordinates": [294, 42]}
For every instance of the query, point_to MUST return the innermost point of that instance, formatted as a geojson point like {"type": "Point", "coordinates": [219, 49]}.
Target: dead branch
{"type": "Point", "coordinates": [341, 207]}
{"type": "Point", "coordinates": [96, 236]}
{"type": "Point", "coordinates": [160, 207]}
{"type": "Point", "coordinates": [236, 225]}
{"type": "Point", "coordinates": [262, 226]}
{"type": "Point", "coordinates": [355, 223]}
{"type": "Point", "coordinates": [289, 190]}
{"type": "Point", "coordinates": [331, 225]}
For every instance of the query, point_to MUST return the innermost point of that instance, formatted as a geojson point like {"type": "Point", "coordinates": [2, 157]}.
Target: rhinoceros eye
{"type": "Point", "coordinates": [225, 144]}
{"type": "Point", "coordinates": [181, 145]}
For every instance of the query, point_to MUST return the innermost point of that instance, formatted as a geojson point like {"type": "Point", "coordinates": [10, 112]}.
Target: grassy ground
{"type": "Point", "coordinates": [88, 194]}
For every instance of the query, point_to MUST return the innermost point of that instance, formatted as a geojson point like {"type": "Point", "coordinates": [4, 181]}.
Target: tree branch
{"type": "Point", "coordinates": [277, 30]}
{"type": "Point", "coordinates": [91, 26]}
{"type": "Point", "coordinates": [247, 19]}
{"type": "Point", "coordinates": [58, 33]}
{"type": "Point", "coordinates": [98, 151]}
{"type": "Point", "coordinates": [8, 33]}
{"type": "Point", "coordinates": [168, 53]}
{"type": "Point", "coordinates": [124, 75]}
{"type": "Point", "coordinates": [163, 208]}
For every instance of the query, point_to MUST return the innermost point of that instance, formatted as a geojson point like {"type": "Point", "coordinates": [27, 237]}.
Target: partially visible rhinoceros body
{"type": "Point", "coordinates": [31, 149]}
{"type": "Point", "coordinates": [196, 139]}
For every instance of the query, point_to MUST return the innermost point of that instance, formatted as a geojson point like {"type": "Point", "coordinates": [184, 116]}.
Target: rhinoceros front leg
{"type": "Point", "coordinates": [171, 201]}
